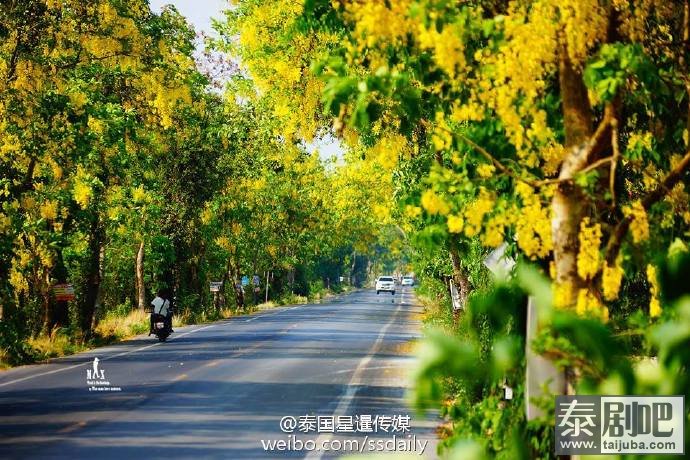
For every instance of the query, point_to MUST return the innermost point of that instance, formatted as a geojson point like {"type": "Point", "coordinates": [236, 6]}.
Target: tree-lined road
{"type": "Point", "coordinates": [217, 390]}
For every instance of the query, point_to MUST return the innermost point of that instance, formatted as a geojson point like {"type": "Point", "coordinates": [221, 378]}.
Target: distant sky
{"type": "Point", "coordinates": [199, 13]}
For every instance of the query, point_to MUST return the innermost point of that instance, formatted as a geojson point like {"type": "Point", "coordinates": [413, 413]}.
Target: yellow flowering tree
{"type": "Point", "coordinates": [558, 128]}
{"type": "Point", "coordinates": [540, 157]}
{"type": "Point", "coordinates": [86, 89]}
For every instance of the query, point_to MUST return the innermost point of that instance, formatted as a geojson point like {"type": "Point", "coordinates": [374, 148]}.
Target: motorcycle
{"type": "Point", "coordinates": [160, 327]}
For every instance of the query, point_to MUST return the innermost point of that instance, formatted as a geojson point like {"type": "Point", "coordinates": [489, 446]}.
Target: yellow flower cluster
{"type": "Point", "coordinates": [5, 222]}
{"type": "Point", "coordinates": [588, 257]}
{"type": "Point", "coordinates": [639, 226]}
{"type": "Point", "coordinates": [636, 17]}
{"type": "Point", "coordinates": [81, 190]}
{"type": "Point", "coordinates": [78, 100]}
{"type": "Point", "coordinates": [475, 212]}
{"type": "Point", "coordinates": [447, 46]}
{"type": "Point", "coordinates": [562, 294]}
{"type": "Point", "coordinates": [455, 224]}
{"type": "Point", "coordinates": [206, 215]}
{"type": "Point", "coordinates": [680, 201]}
{"type": "Point", "coordinates": [589, 305]}
{"type": "Point", "coordinates": [18, 281]}
{"type": "Point", "coordinates": [441, 137]}
{"type": "Point", "coordinates": [611, 279]}
{"type": "Point", "coordinates": [28, 77]}
{"type": "Point", "coordinates": [389, 150]}
{"type": "Point", "coordinates": [553, 155]}
{"type": "Point", "coordinates": [494, 232]}
{"type": "Point", "coordinates": [380, 23]}
{"type": "Point", "coordinates": [654, 304]}
{"type": "Point", "coordinates": [532, 223]}
{"type": "Point", "coordinates": [434, 204]}
{"type": "Point", "coordinates": [139, 194]}
{"type": "Point", "coordinates": [585, 23]}
{"type": "Point", "coordinates": [224, 242]}
{"type": "Point", "coordinates": [531, 46]}
{"type": "Point", "coordinates": [49, 210]}
{"type": "Point", "coordinates": [472, 111]}
{"type": "Point", "coordinates": [9, 144]}
{"type": "Point", "coordinates": [486, 170]}
{"type": "Point", "coordinates": [413, 211]}
{"type": "Point", "coordinates": [641, 140]}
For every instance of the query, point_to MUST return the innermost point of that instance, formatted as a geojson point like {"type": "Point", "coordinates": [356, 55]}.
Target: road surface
{"type": "Point", "coordinates": [220, 390]}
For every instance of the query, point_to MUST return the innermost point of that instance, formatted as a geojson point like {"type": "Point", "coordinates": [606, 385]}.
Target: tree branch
{"type": "Point", "coordinates": [614, 160]}
{"type": "Point", "coordinates": [592, 145]}
{"type": "Point", "coordinates": [671, 179]}
{"type": "Point", "coordinates": [486, 154]}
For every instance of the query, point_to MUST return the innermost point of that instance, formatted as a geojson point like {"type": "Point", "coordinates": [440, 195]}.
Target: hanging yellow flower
{"type": "Point", "coordinates": [639, 227]}
{"type": "Point", "coordinates": [654, 304]}
{"type": "Point", "coordinates": [455, 224]}
{"type": "Point", "coordinates": [49, 210]}
{"type": "Point", "coordinates": [588, 255]}
{"type": "Point", "coordinates": [434, 204]}
{"type": "Point", "coordinates": [611, 280]}
{"type": "Point", "coordinates": [589, 305]}
{"type": "Point", "coordinates": [486, 170]}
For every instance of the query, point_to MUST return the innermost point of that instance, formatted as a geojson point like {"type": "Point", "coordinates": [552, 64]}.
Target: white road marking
{"type": "Point", "coordinates": [353, 385]}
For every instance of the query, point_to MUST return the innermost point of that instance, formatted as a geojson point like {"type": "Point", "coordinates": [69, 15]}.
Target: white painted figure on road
{"type": "Point", "coordinates": [95, 373]}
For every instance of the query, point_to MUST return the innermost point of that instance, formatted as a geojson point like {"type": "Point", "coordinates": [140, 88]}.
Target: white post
{"type": "Point", "coordinates": [539, 369]}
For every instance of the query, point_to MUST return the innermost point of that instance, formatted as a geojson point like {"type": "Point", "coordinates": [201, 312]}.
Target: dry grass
{"type": "Point", "coordinates": [407, 348]}
{"type": "Point", "coordinates": [185, 317]}
{"type": "Point", "coordinates": [120, 327]}
{"type": "Point", "coordinates": [266, 305]}
{"type": "Point", "coordinates": [53, 345]}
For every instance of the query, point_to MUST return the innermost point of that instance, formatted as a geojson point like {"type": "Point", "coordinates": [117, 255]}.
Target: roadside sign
{"type": "Point", "coordinates": [256, 280]}
{"type": "Point", "coordinates": [216, 285]}
{"type": "Point", "coordinates": [455, 297]}
{"type": "Point", "coordinates": [500, 263]}
{"type": "Point", "coordinates": [63, 292]}
{"type": "Point", "coordinates": [245, 280]}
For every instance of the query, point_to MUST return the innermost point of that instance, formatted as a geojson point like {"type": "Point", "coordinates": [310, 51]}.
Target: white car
{"type": "Point", "coordinates": [385, 284]}
{"type": "Point", "coordinates": [408, 281]}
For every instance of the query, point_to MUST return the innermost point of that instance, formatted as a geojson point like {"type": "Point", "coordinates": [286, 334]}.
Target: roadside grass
{"type": "Point", "coordinates": [57, 343]}
{"type": "Point", "coordinates": [117, 327]}
{"type": "Point", "coordinates": [266, 305]}
{"type": "Point", "coordinates": [187, 317]}
{"type": "Point", "coordinates": [437, 311]}
{"type": "Point", "coordinates": [293, 299]}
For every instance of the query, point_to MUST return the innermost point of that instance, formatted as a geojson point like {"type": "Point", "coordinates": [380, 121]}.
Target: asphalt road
{"type": "Point", "coordinates": [219, 390]}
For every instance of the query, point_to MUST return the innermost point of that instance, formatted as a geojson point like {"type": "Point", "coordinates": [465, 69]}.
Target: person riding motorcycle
{"type": "Point", "coordinates": [161, 306]}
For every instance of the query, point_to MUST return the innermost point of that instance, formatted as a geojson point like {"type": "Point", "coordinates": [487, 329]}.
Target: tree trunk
{"type": "Point", "coordinates": [459, 273]}
{"type": "Point", "coordinates": [98, 304]}
{"type": "Point", "coordinates": [219, 297]}
{"type": "Point", "coordinates": [94, 269]}
{"type": "Point", "coordinates": [568, 204]}
{"type": "Point", "coordinates": [139, 271]}
{"type": "Point", "coordinates": [44, 288]}
{"type": "Point", "coordinates": [58, 311]}
{"type": "Point", "coordinates": [237, 285]}
{"type": "Point", "coordinates": [459, 277]}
